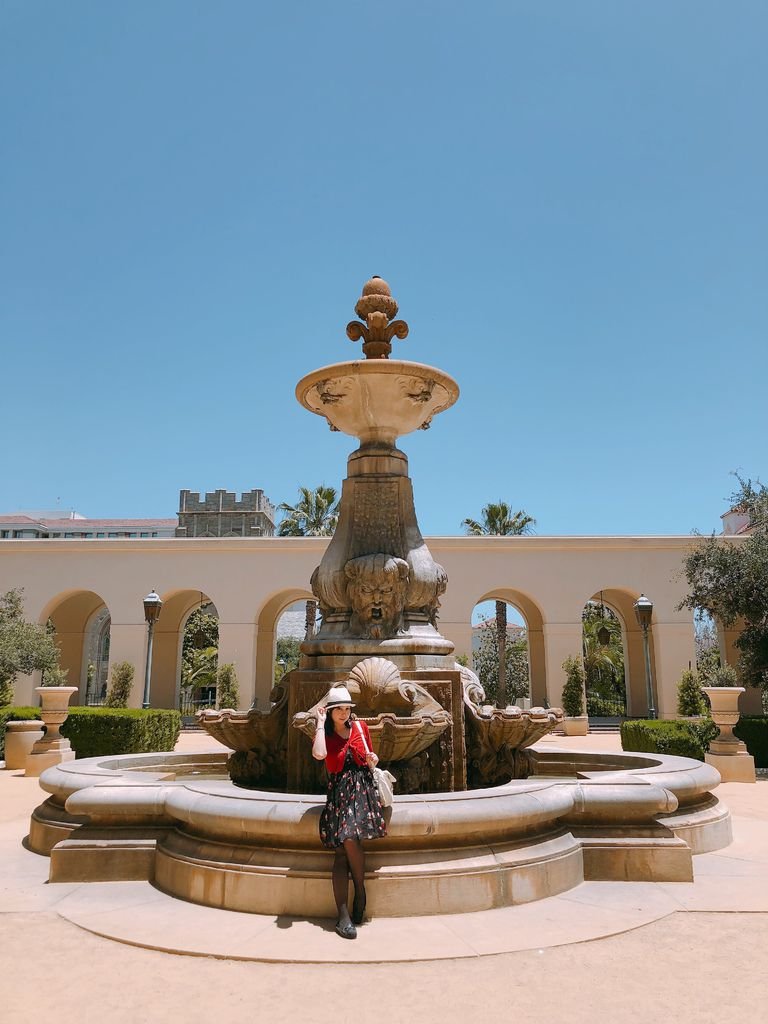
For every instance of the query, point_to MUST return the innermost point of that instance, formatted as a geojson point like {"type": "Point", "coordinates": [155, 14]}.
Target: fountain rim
{"type": "Point", "coordinates": [369, 367]}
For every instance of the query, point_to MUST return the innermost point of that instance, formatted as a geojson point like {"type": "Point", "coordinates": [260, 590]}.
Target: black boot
{"type": "Point", "coordinates": [358, 907]}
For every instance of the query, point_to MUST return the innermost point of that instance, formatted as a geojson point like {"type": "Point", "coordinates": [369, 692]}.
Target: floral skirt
{"type": "Point", "coordinates": [352, 809]}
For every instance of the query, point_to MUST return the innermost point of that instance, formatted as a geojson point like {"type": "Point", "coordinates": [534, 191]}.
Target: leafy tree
{"type": "Point", "coordinates": [485, 662]}
{"type": "Point", "coordinates": [706, 642]}
{"type": "Point", "coordinates": [120, 685]}
{"type": "Point", "coordinates": [287, 650]}
{"type": "Point", "coordinates": [315, 514]}
{"type": "Point", "coordinates": [690, 699]}
{"type": "Point", "coordinates": [573, 690]}
{"type": "Point", "coordinates": [602, 652]}
{"type": "Point", "coordinates": [227, 689]}
{"type": "Point", "coordinates": [499, 520]}
{"type": "Point", "coordinates": [24, 646]}
{"type": "Point", "coordinates": [729, 581]}
{"type": "Point", "coordinates": [200, 650]}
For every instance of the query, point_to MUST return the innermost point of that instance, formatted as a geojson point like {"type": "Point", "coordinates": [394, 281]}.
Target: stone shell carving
{"type": "Point", "coordinates": [402, 717]}
{"type": "Point", "coordinates": [497, 737]}
{"type": "Point", "coordinates": [250, 730]}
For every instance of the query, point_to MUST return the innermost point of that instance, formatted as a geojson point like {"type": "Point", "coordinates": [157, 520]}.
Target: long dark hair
{"type": "Point", "coordinates": [329, 727]}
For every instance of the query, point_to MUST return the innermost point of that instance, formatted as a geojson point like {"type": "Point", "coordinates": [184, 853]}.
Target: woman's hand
{"type": "Point", "coordinates": [372, 760]}
{"type": "Point", "coordinates": [321, 713]}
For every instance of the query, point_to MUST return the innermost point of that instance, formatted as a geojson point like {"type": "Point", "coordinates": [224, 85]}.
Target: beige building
{"type": "Point", "coordinates": [96, 586]}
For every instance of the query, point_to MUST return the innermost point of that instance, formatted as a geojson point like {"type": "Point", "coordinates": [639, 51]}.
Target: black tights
{"type": "Point", "coordinates": [348, 860]}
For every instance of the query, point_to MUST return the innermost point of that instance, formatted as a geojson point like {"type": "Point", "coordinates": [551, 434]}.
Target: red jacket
{"type": "Point", "coordinates": [337, 747]}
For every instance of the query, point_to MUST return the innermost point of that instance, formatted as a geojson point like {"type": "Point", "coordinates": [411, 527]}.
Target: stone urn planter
{"type": "Point", "coordinates": [20, 737]}
{"type": "Point", "coordinates": [53, 748]}
{"type": "Point", "coordinates": [577, 725]}
{"type": "Point", "coordinates": [727, 753]}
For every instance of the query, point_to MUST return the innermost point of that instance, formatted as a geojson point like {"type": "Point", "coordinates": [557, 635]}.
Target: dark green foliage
{"type": "Point", "coordinates": [20, 714]}
{"type": "Point", "coordinates": [690, 699]}
{"type": "Point", "coordinates": [24, 646]}
{"type": "Point", "coordinates": [730, 582]}
{"type": "Point", "coordinates": [315, 514]}
{"type": "Point", "coordinates": [603, 707]}
{"type": "Point", "coordinates": [684, 739]}
{"type": "Point", "coordinates": [573, 690]}
{"type": "Point", "coordinates": [97, 731]}
{"type": "Point", "coordinates": [120, 685]}
{"type": "Point", "coordinates": [753, 730]}
{"type": "Point", "coordinates": [287, 650]}
{"type": "Point", "coordinates": [227, 689]}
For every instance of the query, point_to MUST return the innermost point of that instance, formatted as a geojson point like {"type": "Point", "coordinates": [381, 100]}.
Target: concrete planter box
{"type": "Point", "coordinates": [20, 737]}
{"type": "Point", "coordinates": [576, 726]}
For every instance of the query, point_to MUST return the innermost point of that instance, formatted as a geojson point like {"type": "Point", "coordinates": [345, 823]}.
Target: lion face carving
{"type": "Point", "coordinates": [376, 587]}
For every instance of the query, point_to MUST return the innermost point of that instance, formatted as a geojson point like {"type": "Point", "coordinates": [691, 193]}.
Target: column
{"type": "Point", "coordinates": [561, 639]}
{"type": "Point", "coordinates": [128, 642]}
{"type": "Point", "coordinates": [460, 634]}
{"type": "Point", "coordinates": [237, 645]}
{"type": "Point", "coordinates": [673, 649]}
{"type": "Point", "coordinates": [265, 665]}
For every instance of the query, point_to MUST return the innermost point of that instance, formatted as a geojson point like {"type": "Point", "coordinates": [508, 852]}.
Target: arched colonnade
{"type": "Point", "coordinates": [78, 585]}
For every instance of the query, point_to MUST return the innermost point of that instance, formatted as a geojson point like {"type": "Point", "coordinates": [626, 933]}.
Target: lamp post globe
{"type": "Point", "coordinates": [644, 613]}
{"type": "Point", "coordinates": [152, 607]}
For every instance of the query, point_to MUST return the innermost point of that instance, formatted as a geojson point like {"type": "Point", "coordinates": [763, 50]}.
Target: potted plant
{"type": "Point", "coordinates": [575, 722]}
{"type": "Point", "coordinates": [53, 748]}
{"type": "Point", "coordinates": [723, 690]}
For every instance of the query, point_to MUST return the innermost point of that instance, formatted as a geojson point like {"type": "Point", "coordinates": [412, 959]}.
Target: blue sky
{"type": "Point", "coordinates": [568, 200]}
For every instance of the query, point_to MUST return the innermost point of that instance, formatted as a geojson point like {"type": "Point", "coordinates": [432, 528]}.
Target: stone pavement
{"type": "Point", "coordinates": [635, 951]}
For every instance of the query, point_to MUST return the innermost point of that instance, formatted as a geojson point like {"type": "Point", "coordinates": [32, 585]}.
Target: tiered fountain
{"type": "Point", "coordinates": [480, 819]}
{"type": "Point", "coordinates": [379, 590]}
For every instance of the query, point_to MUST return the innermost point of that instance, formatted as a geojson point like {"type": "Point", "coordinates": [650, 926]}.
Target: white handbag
{"type": "Point", "coordinates": [382, 779]}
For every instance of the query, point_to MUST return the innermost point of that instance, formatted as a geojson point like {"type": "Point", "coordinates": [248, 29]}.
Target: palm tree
{"type": "Point", "coordinates": [315, 514]}
{"type": "Point", "coordinates": [499, 520]}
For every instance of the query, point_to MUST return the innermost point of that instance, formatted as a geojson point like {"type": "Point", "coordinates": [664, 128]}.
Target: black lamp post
{"type": "Point", "coordinates": [152, 608]}
{"type": "Point", "coordinates": [644, 613]}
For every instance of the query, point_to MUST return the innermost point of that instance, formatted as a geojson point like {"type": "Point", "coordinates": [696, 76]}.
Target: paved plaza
{"type": "Point", "coordinates": [121, 951]}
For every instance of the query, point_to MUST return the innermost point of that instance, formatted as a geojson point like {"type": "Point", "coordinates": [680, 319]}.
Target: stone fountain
{"type": "Point", "coordinates": [481, 817]}
{"type": "Point", "coordinates": [379, 589]}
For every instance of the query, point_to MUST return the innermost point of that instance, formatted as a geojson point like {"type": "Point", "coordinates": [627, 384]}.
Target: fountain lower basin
{"type": "Point", "coordinates": [580, 816]}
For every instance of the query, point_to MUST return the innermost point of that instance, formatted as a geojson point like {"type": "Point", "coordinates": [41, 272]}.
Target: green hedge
{"type": "Point", "coordinates": [753, 730]}
{"type": "Point", "coordinates": [11, 714]}
{"type": "Point", "coordinates": [94, 732]}
{"type": "Point", "coordinates": [684, 739]}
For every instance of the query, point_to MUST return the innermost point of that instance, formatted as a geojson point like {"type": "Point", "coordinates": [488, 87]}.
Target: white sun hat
{"type": "Point", "coordinates": [338, 696]}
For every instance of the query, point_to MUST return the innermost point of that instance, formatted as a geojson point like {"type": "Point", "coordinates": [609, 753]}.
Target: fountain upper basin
{"type": "Point", "coordinates": [377, 400]}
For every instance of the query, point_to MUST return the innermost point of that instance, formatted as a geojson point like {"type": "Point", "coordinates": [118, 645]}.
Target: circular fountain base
{"type": "Point", "coordinates": [200, 838]}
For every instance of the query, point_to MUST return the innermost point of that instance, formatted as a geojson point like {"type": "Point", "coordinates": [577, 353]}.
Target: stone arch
{"type": "Point", "coordinates": [178, 605]}
{"type": "Point", "coordinates": [534, 623]}
{"type": "Point", "coordinates": [266, 621]}
{"type": "Point", "coordinates": [621, 601]}
{"type": "Point", "coordinates": [72, 612]}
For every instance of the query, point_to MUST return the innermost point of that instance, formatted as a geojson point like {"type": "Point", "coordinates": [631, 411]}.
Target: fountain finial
{"type": "Point", "coordinates": [377, 308]}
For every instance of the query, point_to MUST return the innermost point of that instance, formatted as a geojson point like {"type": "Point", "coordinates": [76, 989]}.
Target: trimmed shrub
{"type": "Point", "coordinates": [684, 739]}
{"type": "Point", "coordinates": [94, 732]}
{"type": "Point", "coordinates": [573, 690]}
{"type": "Point", "coordinates": [10, 714]}
{"type": "Point", "coordinates": [690, 699]}
{"type": "Point", "coordinates": [120, 685]}
{"type": "Point", "coordinates": [227, 689]}
{"type": "Point", "coordinates": [753, 730]}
